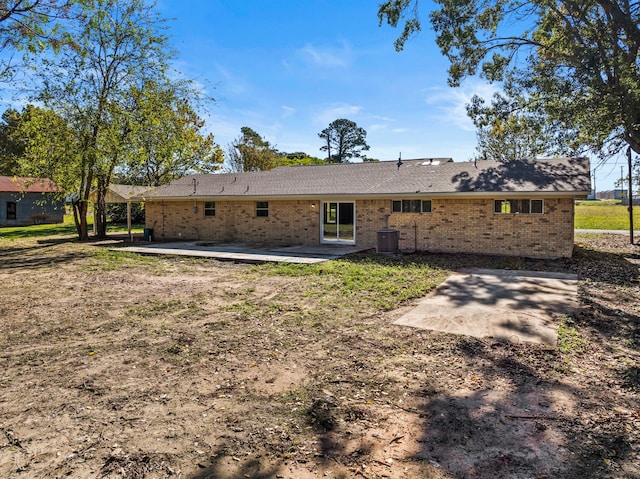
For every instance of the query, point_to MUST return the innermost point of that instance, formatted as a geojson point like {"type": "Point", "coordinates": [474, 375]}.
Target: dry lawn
{"type": "Point", "coordinates": [121, 366]}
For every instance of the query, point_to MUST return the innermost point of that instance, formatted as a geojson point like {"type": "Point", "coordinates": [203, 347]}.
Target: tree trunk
{"type": "Point", "coordinates": [100, 215]}
{"type": "Point", "coordinates": [81, 207]}
{"type": "Point", "coordinates": [80, 218]}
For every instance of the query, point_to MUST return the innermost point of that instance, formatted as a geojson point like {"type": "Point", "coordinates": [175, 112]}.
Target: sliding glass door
{"type": "Point", "coordinates": [338, 222]}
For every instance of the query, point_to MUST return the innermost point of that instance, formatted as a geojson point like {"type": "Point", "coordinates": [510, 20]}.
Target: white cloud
{"type": "Point", "coordinates": [286, 65]}
{"type": "Point", "coordinates": [336, 111]}
{"type": "Point", "coordinates": [223, 129]}
{"type": "Point", "coordinates": [287, 111]}
{"type": "Point", "coordinates": [230, 82]}
{"type": "Point", "coordinates": [382, 118]}
{"type": "Point", "coordinates": [450, 103]}
{"type": "Point", "coordinates": [326, 57]}
{"type": "Point", "coordinates": [379, 122]}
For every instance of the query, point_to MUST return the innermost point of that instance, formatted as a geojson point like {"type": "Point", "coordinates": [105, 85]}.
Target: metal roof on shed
{"type": "Point", "coordinates": [16, 184]}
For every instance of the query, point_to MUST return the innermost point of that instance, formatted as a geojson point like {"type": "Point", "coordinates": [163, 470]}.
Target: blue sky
{"type": "Point", "coordinates": [288, 68]}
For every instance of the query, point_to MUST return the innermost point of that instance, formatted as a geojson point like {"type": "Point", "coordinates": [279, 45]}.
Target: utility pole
{"type": "Point", "coordinates": [630, 195]}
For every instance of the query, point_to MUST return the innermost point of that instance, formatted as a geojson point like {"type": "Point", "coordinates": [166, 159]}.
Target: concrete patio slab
{"type": "Point", "coordinates": [502, 304]}
{"type": "Point", "coordinates": [250, 253]}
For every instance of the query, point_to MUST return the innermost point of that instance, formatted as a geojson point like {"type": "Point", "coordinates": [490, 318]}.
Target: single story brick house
{"type": "Point", "coordinates": [519, 208]}
{"type": "Point", "coordinates": [28, 201]}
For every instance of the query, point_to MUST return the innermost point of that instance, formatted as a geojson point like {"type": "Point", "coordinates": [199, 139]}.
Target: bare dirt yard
{"type": "Point", "coordinates": [114, 365]}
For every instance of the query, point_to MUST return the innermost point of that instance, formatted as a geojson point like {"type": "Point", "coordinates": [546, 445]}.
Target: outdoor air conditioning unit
{"type": "Point", "coordinates": [387, 241]}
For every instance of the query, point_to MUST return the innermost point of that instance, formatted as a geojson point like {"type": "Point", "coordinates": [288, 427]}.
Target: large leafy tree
{"type": "Point", "coordinates": [33, 142]}
{"type": "Point", "coordinates": [31, 25]}
{"type": "Point", "coordinates": [516, 135]}
{"type": "Point", "coordinates": [343, 139]}
{"type": "Point", "coordinates": [11, 143]}
{"type": "Point", "coordinates": [574, 64]}
{"type": "Point", "coordinates": [167, 137]}
{"type": "Point", "coordinates": [509, 139]}
{"type": "Point", "coordinates": [48, 142]}
{"type": "Point", "coordinates": [251, 152]}
{"type": "Point", "coordinates": [119, 45]}
{"type": "Point", "coordinates": [297, 158]}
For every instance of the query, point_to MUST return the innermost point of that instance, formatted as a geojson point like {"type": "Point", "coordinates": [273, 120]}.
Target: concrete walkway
{"type": "Point", "coordinates": [604, 232]}
{"type": "Point", "coordinates": [502, 304]}
{"type": "Point", "coordinates": [249, 253]}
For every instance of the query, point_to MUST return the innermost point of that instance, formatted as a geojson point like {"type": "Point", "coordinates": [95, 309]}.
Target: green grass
{"type": "Point", "coordinates": [604, 215]}
{"type": "Point", "coordinates": [385, 281]}
{"type": "Point", "coordinates": [113, 228]}
{"type": "Point", "coordinates": [66, 228]}
{"type": "Point", "coordinates": [569, 339]}
{"type": "Point", "coordinates": [112, 260]}
{"type": "Point", "coordinates": [158, 308]}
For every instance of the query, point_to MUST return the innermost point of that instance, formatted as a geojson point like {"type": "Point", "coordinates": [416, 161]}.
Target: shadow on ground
{"type": "Point", "coordinates": [37, 255]}
{"type": "Point", "coordinates": [521, 424]}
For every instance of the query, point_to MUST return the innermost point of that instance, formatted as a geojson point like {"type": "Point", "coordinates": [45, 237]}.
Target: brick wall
{"type": "Point", "coordinates": [288, 223]}
{"type": "Point", "coordinates": [453, 226]}
{"type": "Point", "coordinates": [471, 226]}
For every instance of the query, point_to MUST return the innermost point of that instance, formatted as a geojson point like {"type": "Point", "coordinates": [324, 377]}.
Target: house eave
{"type": "Point", "coordinates": [386, 195]}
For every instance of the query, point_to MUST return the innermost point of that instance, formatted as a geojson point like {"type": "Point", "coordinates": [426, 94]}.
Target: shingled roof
{"type": "Point", "coordinates": [436, 177]}
{"type": "Point", "coordinates": [121, 193]}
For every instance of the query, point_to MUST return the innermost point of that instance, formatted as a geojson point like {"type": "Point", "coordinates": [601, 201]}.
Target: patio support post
{"type": "Point", "coordinates": [129, 220]}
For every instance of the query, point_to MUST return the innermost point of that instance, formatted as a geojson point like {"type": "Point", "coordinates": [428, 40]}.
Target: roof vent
{"type": "Point", "coordinates": [430, 162]}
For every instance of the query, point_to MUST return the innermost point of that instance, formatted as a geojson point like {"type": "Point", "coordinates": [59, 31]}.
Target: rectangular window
{"type": "Point", "coordinates": [209, 208]}
{"type": "Point", "coordinates": [262, 208]}
{"type": "Point", "coordinates": [411, 206]}
{"type": "Point", "coordinates": [536, 207]}
{"type": "Point", "coordinates": [518, 207]}
{"type": "Point", "coordinates": [11, 210]}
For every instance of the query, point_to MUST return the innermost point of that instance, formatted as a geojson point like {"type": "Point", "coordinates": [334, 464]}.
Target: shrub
{"type": "Point", "coordinates": [117, 213]}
